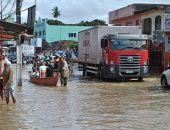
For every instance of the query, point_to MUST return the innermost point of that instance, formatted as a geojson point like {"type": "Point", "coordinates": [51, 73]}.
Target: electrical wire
{"type": "Point", "coordinates": [8, 2]}
{"type": "Point", "coordinates": [15, 12]}
{"type": "Point", "coordinates": [12, 13]}
{"type": "Point", "coordinates": [12, 7]}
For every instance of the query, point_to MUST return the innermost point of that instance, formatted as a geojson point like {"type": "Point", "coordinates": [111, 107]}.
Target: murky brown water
{"type": "Point", "coordinates": [88, 104]}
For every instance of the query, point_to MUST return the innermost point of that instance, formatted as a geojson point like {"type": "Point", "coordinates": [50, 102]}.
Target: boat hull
{"type": "Point", "coordinates": [48, 81]}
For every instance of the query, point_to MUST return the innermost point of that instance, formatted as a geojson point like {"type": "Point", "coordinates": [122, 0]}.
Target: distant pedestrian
{"type": "Point", "coordinates": [64, 71]}
{"type": "Point", "coordinates": [7, 75]}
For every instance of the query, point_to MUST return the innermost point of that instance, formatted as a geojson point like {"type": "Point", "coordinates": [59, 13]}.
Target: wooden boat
{"type": "Point", "coordinates": [49, 81]}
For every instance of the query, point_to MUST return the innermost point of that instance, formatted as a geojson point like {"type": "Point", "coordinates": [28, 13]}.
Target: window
{"type": "Point", "coordinates": [72, 34]}
{"type": "Point", "coordinates": [36, 34]}
{"type": "Point", "coordinates": [43, 32]}
{"type": "Point", "coordinates": [118, 25]}
{"type": "Point", "coordinates": [158, 22]}
{"type": "Point", "coordinates": [39, 33]}
{"type": "Point", "coordinates": [137, 22]}
{"type": "Point", "coordinates": [129, 23]}
{"type": "Point", "coordinates": [147, 26]}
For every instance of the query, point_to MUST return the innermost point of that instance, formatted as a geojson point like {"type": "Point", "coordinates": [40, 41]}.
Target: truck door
{"type": "Point", "coordinates": [104, 43]}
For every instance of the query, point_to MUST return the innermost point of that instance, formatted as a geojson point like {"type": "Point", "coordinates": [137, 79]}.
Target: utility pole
{"type": "Point", "coordinates": [19, 50]}
{"type": "Point", "coordinates": [1, 9]}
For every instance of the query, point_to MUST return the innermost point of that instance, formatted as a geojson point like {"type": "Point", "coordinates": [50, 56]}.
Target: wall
{"type": "Point", "coordinates": [124, 20]}
{"type": "Point", "coordinates": [58, 33]}
{"type": "Point", "coordinates": [52, 33]}
{"type": "Point", "coordinates": [152, 14]}
{"type": "Point", "coordinates": [121, 13]}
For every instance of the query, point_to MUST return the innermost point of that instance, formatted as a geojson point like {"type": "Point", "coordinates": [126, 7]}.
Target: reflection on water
{"type": "Point", "coordinates": [88, 103]}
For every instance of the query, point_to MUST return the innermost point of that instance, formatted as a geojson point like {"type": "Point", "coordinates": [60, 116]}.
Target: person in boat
{"type": "Point", "coordinates": [7, 75]}
{"type": "Point", "coordinates": [42, 70]}
{"type": "Point", "coordinates": [50, 70]}
{"type": "Point", "coordinates": [64, 71]}
{"type": "Point", "coordinates": [56, 62]}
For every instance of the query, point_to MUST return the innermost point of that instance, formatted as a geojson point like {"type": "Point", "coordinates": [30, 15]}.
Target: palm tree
{"type": "Point", "coordinates": [56, 12]}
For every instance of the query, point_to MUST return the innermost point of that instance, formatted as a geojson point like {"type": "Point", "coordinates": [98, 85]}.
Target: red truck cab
{"type": "Point", "coordinates": [124, 56]}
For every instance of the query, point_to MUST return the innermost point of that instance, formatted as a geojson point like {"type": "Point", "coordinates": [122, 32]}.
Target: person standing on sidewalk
{"type": "Point", "coordinates": [7, 75]}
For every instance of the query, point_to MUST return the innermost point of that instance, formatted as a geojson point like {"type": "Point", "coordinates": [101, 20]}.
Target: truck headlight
{"type": "Point", "coordinates": [112, 62]}
{"type": "Point", "coordinates": [145, 70]}
{"type": "Point", "coordinates": [112, 70]}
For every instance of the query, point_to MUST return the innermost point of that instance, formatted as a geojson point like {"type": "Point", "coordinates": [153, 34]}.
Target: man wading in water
{"type": "Point", "coordinates": [7, 75]}
{"type": "Point", "coordinates": [64, 71]}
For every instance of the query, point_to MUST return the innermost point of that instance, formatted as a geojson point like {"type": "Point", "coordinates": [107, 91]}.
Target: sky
{"type": "Point", "coordinates": [74, 11]}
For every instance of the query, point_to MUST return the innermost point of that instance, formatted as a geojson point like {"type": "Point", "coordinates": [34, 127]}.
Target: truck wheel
{"type": "Point", "coordinates": [102, 76]}
{"type": "Point", "coordinates": [84, 70]}
{"type": "Point", "coordinates": [99, 73]}
{"type": "Point", "coordinates": [164, 83]}
{"type": "Point", "coordinates": [140, 79]}
{"type": "Point", "coordinates": [89, 74]}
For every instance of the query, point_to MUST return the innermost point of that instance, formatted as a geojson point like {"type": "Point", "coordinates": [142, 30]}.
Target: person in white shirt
{"type": "Point", "coordinates": [42, 69]}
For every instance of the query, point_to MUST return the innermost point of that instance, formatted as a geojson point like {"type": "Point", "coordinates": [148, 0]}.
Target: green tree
{"type": "Point", "coordinates": [93, 23]}
{"type": "Point", "coordinates": [56, 12]}
{"type": "Point", "coordinates": [54, 22]}
{"type": "Point", "coordinates": [98, 22]}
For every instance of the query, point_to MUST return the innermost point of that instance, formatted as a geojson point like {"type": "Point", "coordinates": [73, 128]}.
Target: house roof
{"type": "Point", "coordinates": [139, 8]}
{"type": "Point", "coordinates": [135, 9]}
{"type": "Point", "coordinates": [15, 28]}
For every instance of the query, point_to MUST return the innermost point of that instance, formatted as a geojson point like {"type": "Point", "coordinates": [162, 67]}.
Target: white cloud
{"type": "Point", "coordinates": [76, 10]}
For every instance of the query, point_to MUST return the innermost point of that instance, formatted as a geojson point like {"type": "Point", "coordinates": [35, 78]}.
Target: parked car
{"type": "Point", "coordinates": [165, 78]}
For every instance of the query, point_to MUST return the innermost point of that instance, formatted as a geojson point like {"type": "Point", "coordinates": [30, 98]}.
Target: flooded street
{"type": "Point", "coordinates": [88, 104]}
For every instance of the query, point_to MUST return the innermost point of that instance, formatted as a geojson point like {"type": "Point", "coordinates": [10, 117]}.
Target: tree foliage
{"type": "Point", "coordinates": [95, 22]}
{"type": "Point", "coordinates": [56, 12]}
{"type": "Point", "coordinates": [54, 22]}
{"type": "Point", "coordinates": [72, 44]}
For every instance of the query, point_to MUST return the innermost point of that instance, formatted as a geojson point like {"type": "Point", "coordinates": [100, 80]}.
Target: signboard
{"type": "Point", "coordinates": [167, 43]}
{"type": "Point", "coordinates": [28, 50]}
{"type": "Point", "coordinates": [36, 42]}
{"type": "Point", "coordinates": [167, 22]}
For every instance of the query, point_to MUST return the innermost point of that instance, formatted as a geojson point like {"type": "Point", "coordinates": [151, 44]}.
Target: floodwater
{"type": "Point", "coordinates": [88, 104]}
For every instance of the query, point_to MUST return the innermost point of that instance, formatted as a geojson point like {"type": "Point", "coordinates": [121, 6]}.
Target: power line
{"type": "Point", "coordinates": [8, 2]}
{"type": "Point", "coordinates": [12, 7]}
{"type": "Point", "coordinates": [15, 12]}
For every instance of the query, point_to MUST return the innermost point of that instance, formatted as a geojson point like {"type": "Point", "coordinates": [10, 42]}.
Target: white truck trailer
{"type": "Point", "coordinates": [98, 53]}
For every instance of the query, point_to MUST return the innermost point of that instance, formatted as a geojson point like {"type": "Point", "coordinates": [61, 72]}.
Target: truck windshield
{"type": "Point", "coordinates": [127, 44]}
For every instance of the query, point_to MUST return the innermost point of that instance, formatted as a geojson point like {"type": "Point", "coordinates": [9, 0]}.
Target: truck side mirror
{"type": "Point", "coordinates": [104, 43]}
{"type": "Point", "coordinates": [168, 67]}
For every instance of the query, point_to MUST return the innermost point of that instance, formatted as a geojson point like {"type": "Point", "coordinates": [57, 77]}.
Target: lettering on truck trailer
{"type": "Point", "coordinates": [86, 45]}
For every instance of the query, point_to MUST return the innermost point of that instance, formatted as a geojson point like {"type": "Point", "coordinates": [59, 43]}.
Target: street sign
{"type": "Point", "coordinates": [167, 22]}
{"type": "Point", "coordinates": [167, 43]}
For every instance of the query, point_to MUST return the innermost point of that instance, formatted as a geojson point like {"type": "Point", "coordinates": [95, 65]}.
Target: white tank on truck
{"type": "Point", "coordinates": [99, 53]}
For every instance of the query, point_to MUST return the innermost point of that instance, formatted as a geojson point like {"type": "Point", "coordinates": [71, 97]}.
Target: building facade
{"type": "Point", "coordinates": [151, 17]}
{"type": "Point", "coordinates": [53, 33]}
